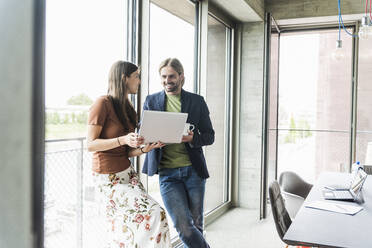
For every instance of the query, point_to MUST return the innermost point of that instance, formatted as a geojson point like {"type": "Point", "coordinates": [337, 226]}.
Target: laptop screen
{"type": "Point", "coordinates": [358, 180]}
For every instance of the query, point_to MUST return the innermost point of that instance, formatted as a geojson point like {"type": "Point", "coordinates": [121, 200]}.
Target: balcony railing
{"type": "Point", "coordinates": [73, 217]}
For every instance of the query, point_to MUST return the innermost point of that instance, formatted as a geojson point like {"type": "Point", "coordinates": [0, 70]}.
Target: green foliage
{"type": "Point", "coordinates": [293, 135]}
{"type": "Point", "coordinates": [56, 118]}
{"type": "Point", "coordinates": [66, 119]}
{"type": "Point", "coordinates": [73, 117]}
{"type": "Point", "coordinates": [82, 118]}
{"type": "Point", "coordinates": [81, 99]}
{"type": "Point", "coordinates": [65, 131]}
{"type": "Point", "coordinates": [53, 118]}
{"type": "Point", "coordinates": [303, 124]}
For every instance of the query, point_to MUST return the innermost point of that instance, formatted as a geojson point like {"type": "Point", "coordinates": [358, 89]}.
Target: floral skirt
{"type": "Point", "coordinates": [135, 220]}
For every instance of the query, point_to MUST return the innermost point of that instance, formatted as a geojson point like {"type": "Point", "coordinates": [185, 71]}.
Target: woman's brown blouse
{"type": "Point", "coordinates": [102, 113]}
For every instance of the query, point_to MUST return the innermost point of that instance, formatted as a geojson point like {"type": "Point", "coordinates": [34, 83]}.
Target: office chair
{"type": "Point", "coordinates": [292, 183]}
{"type": "Point", "coordinates": [280, 214]}
{"type": "Point", "coordinates": [294, 191]}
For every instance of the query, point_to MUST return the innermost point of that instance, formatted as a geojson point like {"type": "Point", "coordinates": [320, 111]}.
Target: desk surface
{"type": "Point", "coordinates": [328, 229]}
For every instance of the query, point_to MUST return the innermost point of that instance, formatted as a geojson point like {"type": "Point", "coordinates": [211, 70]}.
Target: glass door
{"type": "Point", "coordinates": [309, 126]}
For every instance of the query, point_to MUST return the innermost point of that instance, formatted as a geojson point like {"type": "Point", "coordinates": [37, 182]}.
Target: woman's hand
{"type": "Point", "coordinates": [151, 146]}
{"type": "Point", "coordinates": [131, 139]}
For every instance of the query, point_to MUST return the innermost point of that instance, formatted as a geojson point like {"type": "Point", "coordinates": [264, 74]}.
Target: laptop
{"type": "Point", "coordinates": [349, 194]}
{"type": "Point", "coordinates": [166, 127]}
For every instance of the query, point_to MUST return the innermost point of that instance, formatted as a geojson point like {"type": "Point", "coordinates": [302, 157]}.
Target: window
{"type": "Point", "coordinates": [83, 39]}
{"type": "Point", "coordinates": [314, 104]}
{"type": "Point", "coordinates": [217, 97]}
{"type": "Point", "coordinates": [364, 104]}
{"type": "Point", "coordinates": [273, 107]}
{"type": "Point", "coordinates": [171, 35]}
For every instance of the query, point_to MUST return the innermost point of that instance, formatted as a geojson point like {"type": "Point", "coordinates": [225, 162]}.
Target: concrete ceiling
{"type": "Point", "coordinates": [183, 9]}
{"type": "Point", "coordinates": [238, 9]}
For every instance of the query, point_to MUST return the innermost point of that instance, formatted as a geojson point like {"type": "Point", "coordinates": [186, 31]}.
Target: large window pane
{"type": "Point", "coordinates": [171, 35]}
{"type": "Point", "coordinates": [304, 153]}
{"type": "Point", "coordinates": [216, 98]}
{"type": "Point", "coordinates": [364, 105]}
{"type": "Point", "coordinates": [314, 103]}
{"type": "Point", "coordinates": [273, 107]}
{"type": "Point", "coordinates": [83, 39]}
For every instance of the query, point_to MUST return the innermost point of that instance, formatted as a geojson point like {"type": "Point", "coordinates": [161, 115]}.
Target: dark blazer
{"type": "Point", "coordinates": [198, 114]}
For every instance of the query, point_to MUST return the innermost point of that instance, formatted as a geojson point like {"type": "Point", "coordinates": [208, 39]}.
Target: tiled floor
{"type": "Point", "coordinates": [240, 228]}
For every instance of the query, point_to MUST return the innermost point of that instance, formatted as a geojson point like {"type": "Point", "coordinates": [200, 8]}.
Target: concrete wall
{"type": "Point", "coordinates": [258, 6]}
{"type": "Point", "coordinates": [16, 18]}
{"type": "Point", "coordinates": [251, 114]}
{"type": "Point", "coordinates": [287, 9]}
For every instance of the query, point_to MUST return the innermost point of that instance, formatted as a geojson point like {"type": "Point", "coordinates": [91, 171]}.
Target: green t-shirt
{"type": "Point", "coordinates": [174, 155]}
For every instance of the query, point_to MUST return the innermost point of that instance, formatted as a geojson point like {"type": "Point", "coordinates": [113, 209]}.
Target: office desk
{"type": "Point", "coordinates": [315, 227]}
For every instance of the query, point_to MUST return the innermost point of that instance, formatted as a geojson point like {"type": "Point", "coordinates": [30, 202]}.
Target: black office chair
{"type": "Point", "coordinates": [280, 214]}
{"type": "Point", "coordinates": [292, 183]}
{"type": "Point", "coordinates": [294, 191]}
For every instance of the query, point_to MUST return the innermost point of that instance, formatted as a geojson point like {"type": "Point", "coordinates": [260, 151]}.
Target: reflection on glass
{"type": "Point", "coordinates": [171, 35]}
{"type": "Point", "coordinates": [216, 100]}
{"type": "Point", "coordinates": [314, 103]}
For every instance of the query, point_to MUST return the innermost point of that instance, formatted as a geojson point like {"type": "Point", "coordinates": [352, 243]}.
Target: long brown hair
{"type": "Point", "coordinates": [118, 93]}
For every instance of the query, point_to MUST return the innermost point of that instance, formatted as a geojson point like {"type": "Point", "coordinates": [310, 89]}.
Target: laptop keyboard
{"type": "Point", "coordinates": [342, 194]}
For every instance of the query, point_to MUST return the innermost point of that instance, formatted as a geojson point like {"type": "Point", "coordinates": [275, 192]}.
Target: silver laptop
{"type": "Point", "coordinates": [349, 194]}
{"type": "Point", "coordinates": [166, 127]}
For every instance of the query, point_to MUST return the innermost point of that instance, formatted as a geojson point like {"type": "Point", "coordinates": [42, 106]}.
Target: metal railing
{"type": "Point", "coordinates": [72, 216]}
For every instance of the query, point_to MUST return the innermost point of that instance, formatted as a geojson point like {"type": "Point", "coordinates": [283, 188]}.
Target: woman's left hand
{"type": "Point", "coordinates": [150, 146]}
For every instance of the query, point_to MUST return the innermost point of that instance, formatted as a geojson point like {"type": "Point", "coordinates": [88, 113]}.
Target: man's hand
{"type": "Point", "coordinates": [150, 146]}
{"type": "Point", "coordinates": [188, 138]}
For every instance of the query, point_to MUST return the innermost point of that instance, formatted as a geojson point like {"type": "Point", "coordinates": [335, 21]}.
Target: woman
{"type": "Point", "coordinates": [135, 219]}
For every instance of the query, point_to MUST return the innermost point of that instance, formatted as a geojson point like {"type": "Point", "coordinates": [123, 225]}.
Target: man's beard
{"type": "Point", "coordinates": [171, 87]}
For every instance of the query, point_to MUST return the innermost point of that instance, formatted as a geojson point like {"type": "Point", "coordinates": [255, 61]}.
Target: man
{"type": "Point", "coordinates": [181, 167]}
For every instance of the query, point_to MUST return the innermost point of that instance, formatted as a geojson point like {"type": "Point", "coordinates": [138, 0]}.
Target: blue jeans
{"type": "Point", "coordinates": [182, 191]}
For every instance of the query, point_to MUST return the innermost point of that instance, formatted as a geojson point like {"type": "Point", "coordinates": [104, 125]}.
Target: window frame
{"type": "Point", "coordinates": [223, 207]}
{"type": "Point", "coordinates": [354, 25]}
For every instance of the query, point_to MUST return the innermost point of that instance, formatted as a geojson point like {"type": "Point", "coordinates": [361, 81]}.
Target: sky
{"type": "Point", "coordinates": [85, 37]}
{"type": "Point", "coordinates": [298, 88]}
